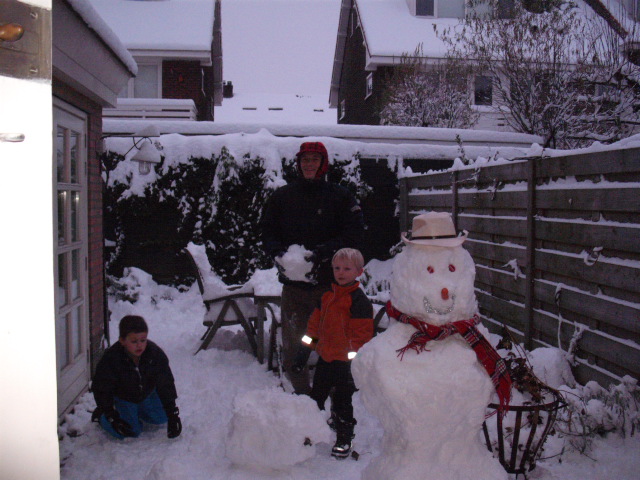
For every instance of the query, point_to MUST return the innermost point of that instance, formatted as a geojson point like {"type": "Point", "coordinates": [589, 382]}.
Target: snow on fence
{"type": "Point", "coordinates": [571, 224]}
{"type": "Point", "coordinates": [153, 108]}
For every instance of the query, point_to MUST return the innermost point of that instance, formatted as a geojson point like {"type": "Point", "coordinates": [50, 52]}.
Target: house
{"type": "Point", "coordinates": [373, 36]}
{"type": "Point", "coordinates": [177, 45]}
{"type": "Point", "coordinates": [369, 45]}
{"type": "Point", "coordinates": [90, 67]}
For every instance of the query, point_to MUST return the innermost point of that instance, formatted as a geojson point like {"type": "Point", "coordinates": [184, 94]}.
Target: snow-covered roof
{"type": "Point", "coordinates": [176, 26]}
{"type": "Point", "coordinates": [381, 23]}
{"type": "Point", "coordinates": [95, 22]}
{"type": "Point", "coordinates": [276, 108]}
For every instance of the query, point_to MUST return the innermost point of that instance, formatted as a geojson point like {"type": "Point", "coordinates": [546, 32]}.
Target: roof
{"type": "Point", "coordinates": [380, 22]}
{"type": "Point", "coordinates": [179, 27]}
{"type": "Point", "coordinates": [96, 23]}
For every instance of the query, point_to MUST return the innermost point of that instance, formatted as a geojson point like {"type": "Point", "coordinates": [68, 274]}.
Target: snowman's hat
{"type": "Point", "coordinates": [434, 229]}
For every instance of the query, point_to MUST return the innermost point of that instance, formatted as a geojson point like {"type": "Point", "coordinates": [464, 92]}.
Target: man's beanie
{"type": "Point", "coordinates": [314, 147]}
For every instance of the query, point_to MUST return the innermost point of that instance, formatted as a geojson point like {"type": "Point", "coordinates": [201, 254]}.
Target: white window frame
{"type": "Point", "coordinates": [369, 86]}
{"type": "Point", "coordinates": [73, 368]}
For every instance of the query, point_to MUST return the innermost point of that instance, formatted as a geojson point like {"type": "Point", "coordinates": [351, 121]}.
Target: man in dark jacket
{"type": "Point", "coordinates": [133, 382]}
{"type": "Point", "coordinates": [320, 216]}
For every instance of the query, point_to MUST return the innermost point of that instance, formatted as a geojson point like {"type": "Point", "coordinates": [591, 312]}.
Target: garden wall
{"type": "Point", "coordinates": [556, 242]}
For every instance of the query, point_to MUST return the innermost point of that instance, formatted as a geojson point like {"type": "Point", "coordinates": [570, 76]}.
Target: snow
{"type": "Point", "coordinates": [381, 41]}
{"type": "Point", "coordinates": [142, 25]}
{"type": "Point", "coordinates": [220, 385]}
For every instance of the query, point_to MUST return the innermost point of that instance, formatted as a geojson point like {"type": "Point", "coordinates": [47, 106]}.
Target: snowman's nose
{"type": "Point", "coordinates": [445, 294]}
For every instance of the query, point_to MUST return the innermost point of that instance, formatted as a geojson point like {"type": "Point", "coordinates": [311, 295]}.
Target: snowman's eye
{"type": "Point", "coordinates": [430, 269]}
{"type": "Point", "coordinates": [452, 268]}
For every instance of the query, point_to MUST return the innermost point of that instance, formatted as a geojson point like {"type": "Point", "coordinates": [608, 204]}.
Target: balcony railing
{"type": "Point", "coordinates": [152, 108]}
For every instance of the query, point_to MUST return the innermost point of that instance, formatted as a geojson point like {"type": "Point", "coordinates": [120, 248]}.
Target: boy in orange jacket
{"type": "Point", "coordinates": [336, 330]}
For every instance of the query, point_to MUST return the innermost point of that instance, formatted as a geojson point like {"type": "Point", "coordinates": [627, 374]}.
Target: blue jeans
{"type": "Point", "coordinates": [148, 410]}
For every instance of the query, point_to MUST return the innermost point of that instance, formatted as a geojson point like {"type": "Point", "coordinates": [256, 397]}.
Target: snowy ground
{"type": "Point", "coordinates": [207, 385]}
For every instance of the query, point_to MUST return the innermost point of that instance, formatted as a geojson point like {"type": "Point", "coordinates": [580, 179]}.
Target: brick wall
{"type": "Point", "coordinates": [183, 79]}
{"type": "Point", "coordinates": [359, 110]}
{"type": "Point", "coordinates": [94, 212]}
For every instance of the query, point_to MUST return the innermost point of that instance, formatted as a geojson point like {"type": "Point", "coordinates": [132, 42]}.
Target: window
{"type": "Point", "coordinates": [636, 8]}
{"type": "Point", "coordinates": [145, 85]}
{"type": "Point", "coordinates": [425, 8]}
{"type": "Point", "coordinates": [369, 88]}
{"type": "Point", "coordinates": [505, 9]}
{"type": "Point", "coordinates": [342, 111]}
{"type": "Point", "coordinates": [483, 90]}
{"type": "Point", "coordinates": [70, 246]}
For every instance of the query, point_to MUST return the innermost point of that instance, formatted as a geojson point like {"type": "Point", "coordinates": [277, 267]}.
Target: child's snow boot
{"type": "Point", "coordinates": [332, 421]}
{"type": "Point", "coordinates": [343, 445]}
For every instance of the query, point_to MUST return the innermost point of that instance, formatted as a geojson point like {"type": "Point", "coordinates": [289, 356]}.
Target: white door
{"type": "Point", "coordinates": [70, 252]}
{"type": "Point", "coordinates": [29, 441]}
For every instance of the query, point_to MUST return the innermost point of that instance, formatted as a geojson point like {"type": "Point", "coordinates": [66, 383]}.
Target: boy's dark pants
{"type": "Point", "coordinates": [335, 374]}
{"type": "Point", "coordinates": [297, 305]}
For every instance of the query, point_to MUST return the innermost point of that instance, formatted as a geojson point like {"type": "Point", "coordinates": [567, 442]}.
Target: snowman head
{"type": "Point", "coordinates": [433, 276]}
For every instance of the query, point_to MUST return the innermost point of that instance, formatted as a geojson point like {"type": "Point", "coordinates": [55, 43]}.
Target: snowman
{"type": "Point", "coordinates": [429, 377]}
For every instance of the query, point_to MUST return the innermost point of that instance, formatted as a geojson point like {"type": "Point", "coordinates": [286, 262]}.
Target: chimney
{"type": "Point", "coordinates": [227, 90]}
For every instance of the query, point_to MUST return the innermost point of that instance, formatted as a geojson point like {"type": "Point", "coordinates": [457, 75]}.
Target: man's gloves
{"type": "Point", "coordinates": [119, 425]}
{"type": "Point", "coordinates": [301, 358]}
{"type": "Point", "coordinates": [174, 425]}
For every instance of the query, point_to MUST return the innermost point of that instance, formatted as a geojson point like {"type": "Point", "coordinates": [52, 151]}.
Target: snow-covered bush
{"type": "Point", "coordinates": [214, 201]}
{"type": "Point", "coordinates": [596, 411]}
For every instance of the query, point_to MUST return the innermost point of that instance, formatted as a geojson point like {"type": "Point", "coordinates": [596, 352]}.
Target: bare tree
{"type": "Point", "coordinates": [560, 72]}
{"type": "Point", "coordinates": [427, 95]}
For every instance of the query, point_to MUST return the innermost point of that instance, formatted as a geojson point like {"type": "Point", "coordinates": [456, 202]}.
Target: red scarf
{"type": "Point", "coordinates": [487, 355]}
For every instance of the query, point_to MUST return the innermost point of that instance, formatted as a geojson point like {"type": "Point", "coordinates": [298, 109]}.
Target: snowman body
{"type": "Point", "coordinates": [431, 405]}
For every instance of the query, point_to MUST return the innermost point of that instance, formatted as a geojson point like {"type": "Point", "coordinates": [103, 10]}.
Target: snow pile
{"type": "Point", "coordinates": [210, 382]}
{"type": "Point", "coordinates": [295, 264]}
{"type": "Point", "coordinates": [273, 429]}
{"type": "Point", "coordinates": [552, 367]}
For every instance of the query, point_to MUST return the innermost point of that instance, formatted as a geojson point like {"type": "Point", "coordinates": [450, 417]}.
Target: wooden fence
{"type": "Point", "coordinates": [556, 242]}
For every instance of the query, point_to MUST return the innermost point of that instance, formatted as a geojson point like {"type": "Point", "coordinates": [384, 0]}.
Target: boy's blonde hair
{"type": "Point", "coordinates": [350, 254]}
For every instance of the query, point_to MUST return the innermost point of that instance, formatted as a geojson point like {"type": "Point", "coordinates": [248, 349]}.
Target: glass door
{"type": "Point", "coordinates": [70, 247]}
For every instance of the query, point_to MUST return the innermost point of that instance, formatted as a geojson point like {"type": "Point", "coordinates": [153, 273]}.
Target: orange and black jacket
{"type": "Point", "coordinates": [342, 323]}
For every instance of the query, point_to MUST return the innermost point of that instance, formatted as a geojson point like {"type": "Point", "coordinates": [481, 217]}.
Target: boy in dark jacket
{"type": "Point", "coordinates": [337, 328]}
{"type": "Point", "coordinates": [133, 382]}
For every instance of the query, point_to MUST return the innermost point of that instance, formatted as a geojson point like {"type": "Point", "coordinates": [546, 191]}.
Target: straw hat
{"type": "Point", "coordinates": [434, 229]}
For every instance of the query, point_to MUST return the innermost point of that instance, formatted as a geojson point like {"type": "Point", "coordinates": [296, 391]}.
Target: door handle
{"type": "Point", "coordinates": [12, 137]}
{"type": "Point", "coordinates": [11, 32]}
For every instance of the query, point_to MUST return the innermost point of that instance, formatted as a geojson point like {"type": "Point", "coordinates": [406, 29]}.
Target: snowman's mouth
{"type": "Point", "coordinates": [429, 308]}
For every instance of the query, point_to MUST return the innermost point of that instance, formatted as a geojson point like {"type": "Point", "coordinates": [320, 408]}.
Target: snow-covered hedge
{"type": "Point", "coordinates": [216, 201]}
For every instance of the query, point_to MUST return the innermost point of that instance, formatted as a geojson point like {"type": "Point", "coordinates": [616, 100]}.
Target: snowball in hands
{"type": "Point", "coordinates": [268, 429]}
{"type": "Point", "coordinates": [294, 264]}
{"type": "Point", "coordinates": [431, 405]}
